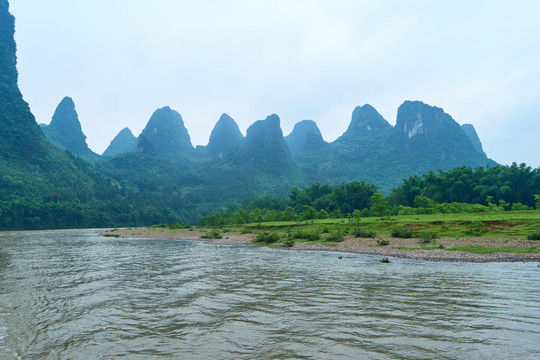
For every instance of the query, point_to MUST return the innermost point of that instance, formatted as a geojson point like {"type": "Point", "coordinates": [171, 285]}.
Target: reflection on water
{"type": "Point", "coordinates": [75, 295]}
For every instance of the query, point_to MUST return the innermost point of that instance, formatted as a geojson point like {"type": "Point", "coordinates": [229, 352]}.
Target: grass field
{"type": "Point", "coordinates": [509, 224]}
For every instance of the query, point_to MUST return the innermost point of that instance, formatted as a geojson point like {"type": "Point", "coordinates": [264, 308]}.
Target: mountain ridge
{"type": "Point", "coordinates": [65, 131]}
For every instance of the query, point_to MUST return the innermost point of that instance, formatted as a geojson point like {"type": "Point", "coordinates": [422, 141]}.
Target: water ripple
{"type": "Point", "coordinates": [75, 295]}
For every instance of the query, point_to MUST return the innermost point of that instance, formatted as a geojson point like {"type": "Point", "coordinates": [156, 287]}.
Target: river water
{"type": "Point", "coordinates": [75, 295]}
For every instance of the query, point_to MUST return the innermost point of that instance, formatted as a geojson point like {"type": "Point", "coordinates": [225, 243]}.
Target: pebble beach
{"type": "Point", "coordinates": [401, 248]}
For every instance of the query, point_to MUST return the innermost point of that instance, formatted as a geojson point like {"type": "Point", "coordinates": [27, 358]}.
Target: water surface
{"type": "Point", "coordinates": [75, 295]}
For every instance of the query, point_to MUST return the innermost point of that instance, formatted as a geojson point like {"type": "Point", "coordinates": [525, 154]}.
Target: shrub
{"type": "Point", "coordinates": [383, 242]}
{"type": "Point", "coordinates": [535, 235]}
{"type": "Point", "coordinates": [403, 232]}
{"type": "Point", "coordinates": [427, 236]}
{"type": "Point", "coordinates": [212, 235]}
{"type": "Point", "coordinates": [176, 225]}
{"type": "Point", "coordinates": [475, 228]}
{"type": "Point", "coordinates": [112, 235]}
{"type": "Point", "coordinates": [361, 233]}
{"type": "Point", "coordinates": [519, 207]}
{"type": "Point", "coordinates": [267, 238]}
{"type": "Point", "coordinates": [288, 243]}
{"type": "Point", "coordinates": [307, 235]}
{"type": "Point", "coordinates": [335, 237]}
{"type": "Point", "coordinates": [384, 260]}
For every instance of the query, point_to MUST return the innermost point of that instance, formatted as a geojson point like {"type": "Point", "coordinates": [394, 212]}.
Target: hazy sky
{"type": "Point", "coordinates": [302, 59]}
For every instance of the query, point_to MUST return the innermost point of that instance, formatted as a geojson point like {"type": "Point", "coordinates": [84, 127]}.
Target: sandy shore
{"type": "Point", "coordinates": [363, 246]}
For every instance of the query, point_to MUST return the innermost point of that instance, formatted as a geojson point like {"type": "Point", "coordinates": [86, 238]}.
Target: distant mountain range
{"type": "Point", "coordinates": [424, 139]}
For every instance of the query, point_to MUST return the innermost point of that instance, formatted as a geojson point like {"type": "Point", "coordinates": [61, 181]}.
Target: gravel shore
{"type": "Point", "coordinates": [363, 246]}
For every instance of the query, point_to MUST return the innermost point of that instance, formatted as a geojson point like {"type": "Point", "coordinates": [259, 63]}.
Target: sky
{"type": "Point", "coordinates": [120, 60]}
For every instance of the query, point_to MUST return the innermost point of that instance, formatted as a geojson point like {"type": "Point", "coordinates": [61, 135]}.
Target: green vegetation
{"type": "Point", "coordinates": [363, 233]}
{"type": "Point", "coordinates": [535, 235]}
{"type": "Point", "coordinates": [173, 226]}
{"type": "Point", "coordinates": [479, 249]}
{"type": "Point", "coordinates": [507, 224]}
{"type": "Point", "coordinates": [112, 235]}
{"type": "Point", "coordinates": [215, 234]}
{"type": "Point", "coordinates": [486, 190]}
{"type": "Point", "coordinates": [427, 236]}
{"type": "Point", "coordinates": [449, 191]}
{"type": "Point", "coordinates": [403, 232]}
{"type": "Point", "coordinates": [335, 236]}
{"type": "Point", "coordinates": [306, 235]}
{"type": "Point", "coordinates": [267, 238]}
{"type": "Point", "coordinates": [288, 243]}
{"type": "Point", "coordinates": [475, 228]}
{"type": "Point", "coordinates": [419, 248]}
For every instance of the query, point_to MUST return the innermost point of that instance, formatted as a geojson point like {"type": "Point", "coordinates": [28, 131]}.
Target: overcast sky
{"type": "Point", "coordinates": [301, 59]}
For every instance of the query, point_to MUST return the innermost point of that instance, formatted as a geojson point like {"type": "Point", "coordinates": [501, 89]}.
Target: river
{"type": "Point", "coordinates": [72, 294]}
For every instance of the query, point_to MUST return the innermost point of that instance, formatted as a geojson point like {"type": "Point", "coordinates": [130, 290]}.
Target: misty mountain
{"type": "Point", "coordinates": [124, 142]}
{"type": "Point", "coordinates": [225, 135]}
{"type": "Point", "coordinates": [165, 136]}
{"type": "Point", "coordinates": [264, 148]}
{"type": "Point", "coordinates": [470, 131]}
{"type": "Point", "coordinates": [365, 121]}
{"type": "Point", "coordinates": [424, 139]}
{"type": "Point", "coordinates": [305, 136]}
{"type": "Point", "coordinates": [66, 132]}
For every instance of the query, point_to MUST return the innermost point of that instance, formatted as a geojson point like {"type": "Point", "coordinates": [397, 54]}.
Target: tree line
{"type": "Point", "coordinates": [460, 190]}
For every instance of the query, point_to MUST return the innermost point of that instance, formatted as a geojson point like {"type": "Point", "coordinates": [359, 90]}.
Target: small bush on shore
{"type": "Point", "coordinates": [475, 228]}
{"type": "Point", "coordinates": [212, 235]}
{"type": "Point", "coordinates": [176, 225]}
{"type": "Point", "coordinates": [267, 238]}
{"type": "Point", "coordinates": [383, 242]}
{"type": "Point", "coordinates": [112, 235]}
{"type": "Point", "coordinates": [403, 232]}
{"type": "Point", "coordinates": [535, 235]}
{"type": "Point", "coordinates": [288, 243]}
{"type": "Point", "coordinates": [335, 237]}
{"type": "Point", "coordinates": [362, 233]}
{"type": "Point", "coordinates": [427, 236]}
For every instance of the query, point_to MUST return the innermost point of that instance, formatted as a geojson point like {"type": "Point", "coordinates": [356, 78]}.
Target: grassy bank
{"type": "Point", "coordinates": [427, 230]}
{"type": "Point", "coordinates": [505, 236]}
{"type": "Point", "coordinates": [511, 224]}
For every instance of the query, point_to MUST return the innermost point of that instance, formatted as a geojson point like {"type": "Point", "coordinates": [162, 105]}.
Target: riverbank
{"type": "Point", "coordinates": [441, 250]}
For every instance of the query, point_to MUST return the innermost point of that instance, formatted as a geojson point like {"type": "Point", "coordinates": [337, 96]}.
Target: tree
{"type": "Point", "coordinates": [309, 213]}
{"type": "Point", "coordinates": [323, 214]}
{"type": "Point", "coordinates": [288, 214]}
{"type": "Point", "coordinates": [379, 204]}
{"type": "Point", "coordinates": [356, 216]}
